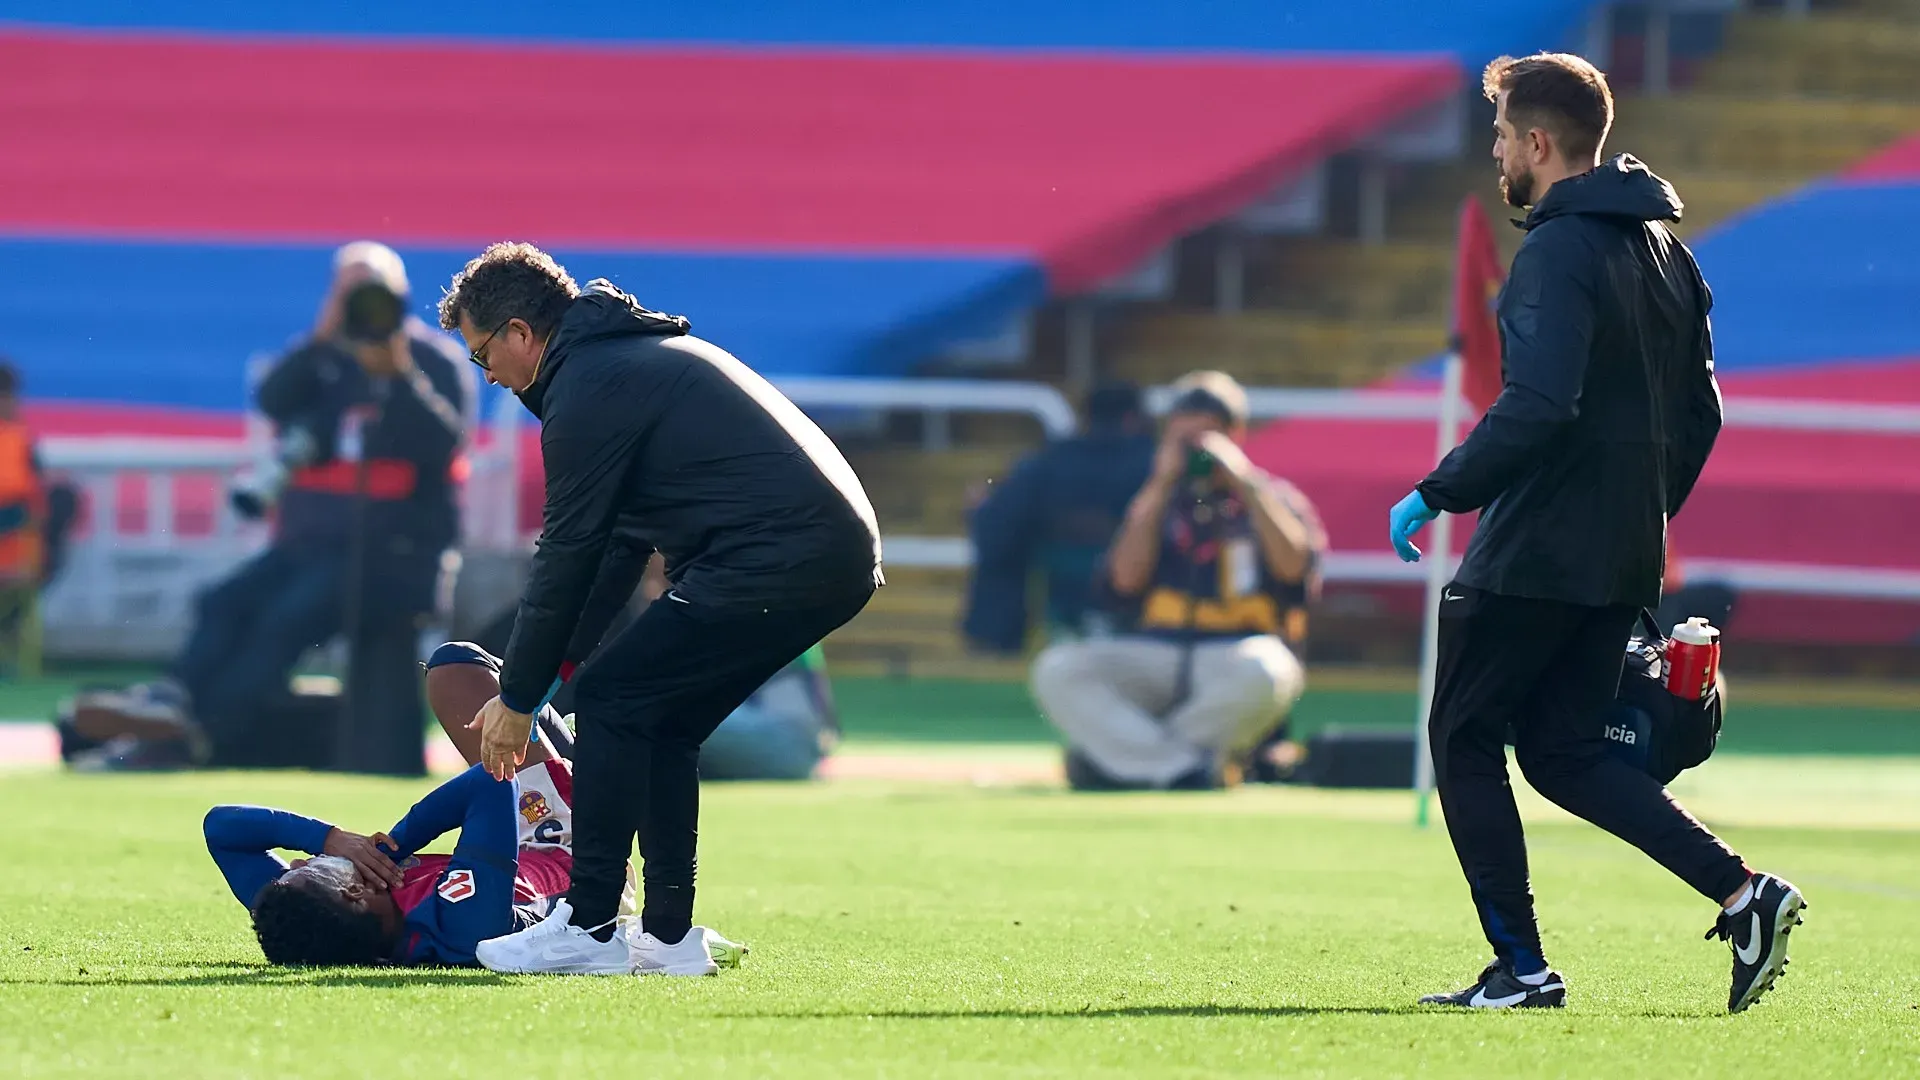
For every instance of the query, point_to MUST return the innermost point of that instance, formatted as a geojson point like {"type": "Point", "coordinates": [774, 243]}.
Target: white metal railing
{"type": "Point", "coordinates": [493, 495]}
{"type": "Point", "coordinates": [1272, 403]}
{"type": "Point", "coordinates": [128, 588]}
{"type": "Point", "coordinates": [1385, 568]}
{"type": "Point", "coordinates": [935, 396]}
{"type": "Point", "coordinates": [130, 582]}
{"type": "Point", "coordinates": [134, 583]}
{"type": "Point", "coordinates": [1741, 412]}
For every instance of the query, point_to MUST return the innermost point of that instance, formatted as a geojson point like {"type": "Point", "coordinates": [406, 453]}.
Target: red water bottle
{"type": "Point", "coordinates": [1693, 659]}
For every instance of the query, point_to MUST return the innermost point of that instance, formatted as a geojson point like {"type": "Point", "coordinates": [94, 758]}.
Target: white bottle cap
{"type": "Point", "coordinates": [1696, 631]}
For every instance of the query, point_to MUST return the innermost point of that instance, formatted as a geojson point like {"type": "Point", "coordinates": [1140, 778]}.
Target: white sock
{"type": "Point", "coordinates": [1746, 894]}
{"type": "Point", "coordinates": [1538, 978]}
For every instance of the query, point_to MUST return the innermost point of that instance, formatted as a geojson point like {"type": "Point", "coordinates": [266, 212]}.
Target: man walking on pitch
{"type": "Point", "coordinates": [1607, 415]}
{"type": "Point", "coordinates": [651, 439]}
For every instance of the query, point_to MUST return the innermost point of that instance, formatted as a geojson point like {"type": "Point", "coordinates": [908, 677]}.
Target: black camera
{"type": "Point", "coordinates": [371, 313]}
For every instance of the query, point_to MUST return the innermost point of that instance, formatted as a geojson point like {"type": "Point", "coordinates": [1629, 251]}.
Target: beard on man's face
{"type": "Point", "coordinates": [1517, 190]}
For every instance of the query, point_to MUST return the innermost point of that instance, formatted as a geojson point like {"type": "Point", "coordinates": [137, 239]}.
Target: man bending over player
{"type": "Point", "coordinates": [374, 899]}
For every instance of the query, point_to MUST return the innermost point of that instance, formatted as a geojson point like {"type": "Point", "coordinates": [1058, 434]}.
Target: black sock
{"type": "Point", "coordinates": [601, 929]}
{"type": "Point", "coordinates": [674, 936]}
{"type": "Point", "coordinates": [668, 912]}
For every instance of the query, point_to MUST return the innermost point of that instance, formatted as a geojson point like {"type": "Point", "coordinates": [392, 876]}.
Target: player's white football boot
{"type": "Point", "coordinates": [651, 956]}
{"type": "Point", "coordinates": [553, 946]}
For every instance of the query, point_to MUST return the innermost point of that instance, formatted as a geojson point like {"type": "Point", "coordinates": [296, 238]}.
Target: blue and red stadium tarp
{"type": "Point", "coordinates": [172, 196]}
{"type": "Point", "coordinates": [1828, 275]}
{"type": "Point", "coordinates": [1473, 32]}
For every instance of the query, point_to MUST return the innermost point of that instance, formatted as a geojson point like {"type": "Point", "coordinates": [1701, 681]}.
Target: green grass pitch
{"type": "Point", "coordinates": [943, 930]}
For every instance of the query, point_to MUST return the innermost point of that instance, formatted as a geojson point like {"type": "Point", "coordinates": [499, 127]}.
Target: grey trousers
{"type": "Point", "coordinates": [1113, 700]}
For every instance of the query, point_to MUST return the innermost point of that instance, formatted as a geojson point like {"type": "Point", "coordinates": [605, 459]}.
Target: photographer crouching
{"type": "Point", "coordinates": [369, 415]}
{"type": "Point", "coordinates": [1212, 571]}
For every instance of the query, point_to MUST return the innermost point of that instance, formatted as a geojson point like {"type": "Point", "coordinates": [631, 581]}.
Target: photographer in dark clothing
{"type": "Point", "coordinates": [370, 413]}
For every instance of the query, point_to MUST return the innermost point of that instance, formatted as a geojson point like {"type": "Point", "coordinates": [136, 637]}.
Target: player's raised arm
{"type": "Point", "coordinates": [442, 810]}
{"type": "Point", "coordinates": [241, 840]}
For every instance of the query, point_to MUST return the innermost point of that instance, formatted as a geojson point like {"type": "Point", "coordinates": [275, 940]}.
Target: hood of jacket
{"type": "Point", "coordinates": [601, 311]}
{"type": "Point", "coordinates": [1622, 187]}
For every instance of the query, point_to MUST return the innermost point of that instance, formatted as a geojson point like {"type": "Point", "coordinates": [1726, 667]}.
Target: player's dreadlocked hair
{"type": "Point", "coordinates": [299, 926]}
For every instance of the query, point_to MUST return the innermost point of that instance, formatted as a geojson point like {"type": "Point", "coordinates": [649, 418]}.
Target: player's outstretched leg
{"type": "Point", "coordinates": [1756, 928]}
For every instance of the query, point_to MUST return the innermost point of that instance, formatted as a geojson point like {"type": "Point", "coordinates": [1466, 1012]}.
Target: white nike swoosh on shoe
{"type": "Point", "coordinates": [1480, 1000]}
{"type": "Point", "coordinates": [1750, 952]}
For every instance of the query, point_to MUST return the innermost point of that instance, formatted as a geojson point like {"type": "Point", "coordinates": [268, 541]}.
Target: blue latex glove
{"type": "Point", "coordinates": [1409, 516]}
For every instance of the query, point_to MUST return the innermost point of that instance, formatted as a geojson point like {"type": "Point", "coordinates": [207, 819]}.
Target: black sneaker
{"type": "Point", "coordinates": [1500, 988]}
{"type": "Point", "coordinates": [128, 753]}
{"type": "Point", "coordinates": [1757, 934]}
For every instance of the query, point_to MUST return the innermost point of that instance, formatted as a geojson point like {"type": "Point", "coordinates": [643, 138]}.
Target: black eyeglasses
{"type": "Point", "coordinates": [479, 355]}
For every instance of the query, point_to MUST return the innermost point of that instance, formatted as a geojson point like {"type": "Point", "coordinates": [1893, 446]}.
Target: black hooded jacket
{"type": "Point", "coordinates": [1610, 405]}
{"type": "Point", "coordinates": [654, 439]}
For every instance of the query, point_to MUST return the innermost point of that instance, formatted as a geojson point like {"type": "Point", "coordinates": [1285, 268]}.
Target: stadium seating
{"type": "Point", "coordinates": [822, 212]}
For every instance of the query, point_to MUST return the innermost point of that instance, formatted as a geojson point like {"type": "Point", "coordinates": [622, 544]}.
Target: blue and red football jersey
{"type": "Point", "coordinates": [511, 860]}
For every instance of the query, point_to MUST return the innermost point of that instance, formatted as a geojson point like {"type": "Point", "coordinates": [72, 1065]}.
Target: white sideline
{"type": "Point", "coordinates": [1384, 568]}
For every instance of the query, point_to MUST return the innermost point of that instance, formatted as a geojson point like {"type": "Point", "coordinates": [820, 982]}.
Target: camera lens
{"type": "Point", "coordinates": [372, 312]}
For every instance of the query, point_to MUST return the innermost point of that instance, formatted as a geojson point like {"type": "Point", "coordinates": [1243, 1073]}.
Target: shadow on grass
{"type": "Point", "coordinates": [1103, 1012]}
{"type": "Point", "coordinates": [1181, 1011]}
{"type": "Point", "coordinates": [239, 974]}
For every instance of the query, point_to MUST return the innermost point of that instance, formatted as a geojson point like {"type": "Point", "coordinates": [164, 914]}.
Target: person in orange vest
{"type": "Point", "coordinates": [23, 497]}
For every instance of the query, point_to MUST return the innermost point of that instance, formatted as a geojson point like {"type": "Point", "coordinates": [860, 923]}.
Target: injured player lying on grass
{"type": "Point", "coordinates": [373, 899]}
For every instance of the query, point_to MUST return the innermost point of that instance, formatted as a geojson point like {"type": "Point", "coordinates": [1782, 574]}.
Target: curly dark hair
{"type": "Point", "coordinates": [1559, 92]}
{"type": "Point", "coordinates": [306, 927]}
{"type": "Point", "coordinates": [509, 281]}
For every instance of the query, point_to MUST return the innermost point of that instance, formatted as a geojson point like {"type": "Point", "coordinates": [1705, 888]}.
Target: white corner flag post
{"type": "Point", "coordinates": [1439, 564]}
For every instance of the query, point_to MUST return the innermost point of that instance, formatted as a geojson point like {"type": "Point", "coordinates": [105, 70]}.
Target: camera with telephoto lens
{"type": "Point", "coordinates": [259, 489]}
{"type": "Point", "coordinates": [371, 313]}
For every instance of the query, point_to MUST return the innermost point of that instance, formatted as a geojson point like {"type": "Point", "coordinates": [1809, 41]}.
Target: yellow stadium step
{"type": "Point", "coordinates": [1349, 279]}
{"type": "Point", "coordinates": [1853, 55]}
{"type": "Point", "coordinates": [1794, 136]}
{"type": "Point", "coordinates": [1275, 348]}
{"type": "Point", "coordinates": [924, 492]}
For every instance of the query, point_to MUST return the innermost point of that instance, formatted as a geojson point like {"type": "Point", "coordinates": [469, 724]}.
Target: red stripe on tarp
{"type": "Point", "coordinates": [1899, 163]}
{"type": "Point", "coordinates": [1088, 162]}
{"type": "Point", "coordinates": [58, 418]}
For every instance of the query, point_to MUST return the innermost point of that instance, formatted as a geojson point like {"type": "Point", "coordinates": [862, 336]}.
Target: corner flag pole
{"type": "Point", "coordinates": [1439, 563]}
